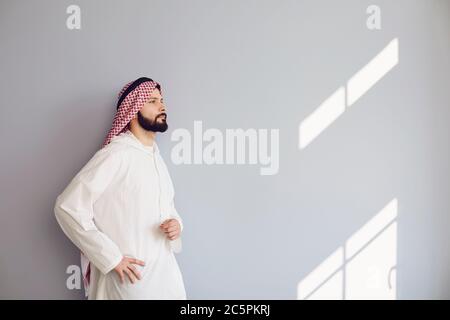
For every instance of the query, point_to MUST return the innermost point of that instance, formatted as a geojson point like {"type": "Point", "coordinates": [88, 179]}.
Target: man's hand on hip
{"type": "Point", "coordinates": [126, 267]}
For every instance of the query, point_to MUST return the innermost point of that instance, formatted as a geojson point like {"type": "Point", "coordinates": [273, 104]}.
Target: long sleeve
{"type": "Point", "coordinates": [169, 199]}
{"type": "Point", "coordinates": [172, 209]}
{"type": "Point", "coordinates": [170, 206]}
{"type": "Point", "coordinates": [177, 243]}
{"type": "Point", "coordinates": [74, 210]}
{"type": "Point", "coordinates": [174, 214]}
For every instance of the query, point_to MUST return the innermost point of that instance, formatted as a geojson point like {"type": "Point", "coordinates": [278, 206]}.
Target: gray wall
{"type": "Point", "coordinates": [233, 64]}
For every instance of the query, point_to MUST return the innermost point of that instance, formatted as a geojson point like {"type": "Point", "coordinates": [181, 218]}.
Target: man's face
{"type": "Point", "coordinates": [152, 116]}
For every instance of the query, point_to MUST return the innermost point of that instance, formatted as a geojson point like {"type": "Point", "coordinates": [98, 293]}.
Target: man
{"type": "Point", "coordinates": [119, 209]}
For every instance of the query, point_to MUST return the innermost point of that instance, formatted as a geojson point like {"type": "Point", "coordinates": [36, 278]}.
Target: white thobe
{"type": "Point", "coordinates": [113, 208]}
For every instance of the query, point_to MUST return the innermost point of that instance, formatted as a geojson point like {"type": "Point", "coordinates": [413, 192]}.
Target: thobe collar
{"type": "Point", "coordinates": [129, 138]}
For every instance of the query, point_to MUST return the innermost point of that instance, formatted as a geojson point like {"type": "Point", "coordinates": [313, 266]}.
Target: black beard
{"type": "Point", "coordinates": [149, 125]}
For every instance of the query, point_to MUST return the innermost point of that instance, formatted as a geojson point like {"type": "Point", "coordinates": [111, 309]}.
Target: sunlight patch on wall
{"type": "Point", "coordinates": [335, 105]}
{"type": "Point", "coordinates": [363, 268]}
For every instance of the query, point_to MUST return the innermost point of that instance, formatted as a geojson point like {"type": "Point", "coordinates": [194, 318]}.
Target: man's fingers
{"type": "Point", "coordinates": [127, 267]}
{"type": "Point", "coordinates": [166, 222]}
{"type": "Point", "coordinates": [121, 276]}
{"type": "Point", "coordinates": [169, 223]}
{"type": "Point", "coordinates": [173, 223]}
{"type": "Point", "coordinates": [170, 228]}
{"type": "Point", "coordinates": [135, 272]}
{"type": "Point", "coordinates": [173, 229]}
{"type": "Point", "coordinates": [137, 261]}
{"type": "Point", "coordinates": [173, 235]}
{"type": "Point", "coordinates": [130, 275]}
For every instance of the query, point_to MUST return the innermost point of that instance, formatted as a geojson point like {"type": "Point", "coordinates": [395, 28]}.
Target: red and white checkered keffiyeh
{"type": "Point", "coordinates": [126, 111]}
{"type": "Point", "coordinates": [130, 107]}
